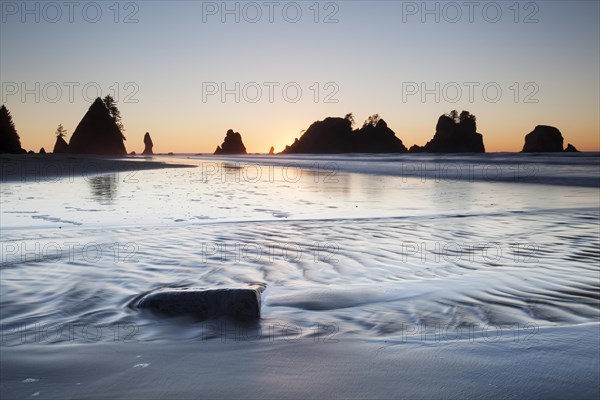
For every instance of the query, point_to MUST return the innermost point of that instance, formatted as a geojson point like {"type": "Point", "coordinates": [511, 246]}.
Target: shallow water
{"type": "Point", "coordinates": [377, 255]}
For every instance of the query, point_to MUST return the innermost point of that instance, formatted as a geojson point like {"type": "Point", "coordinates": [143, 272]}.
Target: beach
{"type": "Point", "coordinates": [404, 276]}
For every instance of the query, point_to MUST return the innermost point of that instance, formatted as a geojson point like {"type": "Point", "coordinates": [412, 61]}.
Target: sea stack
{"type": "Point", "coordinates": [232, 144]}
{"type": "Point", "coordinates": [335, 135]}
{"type": "Point", "coordinates": [61, 146]}
{"type": "Point", "coordinates": [571, 149]}
{"type": "Point", "coordinates": [543, 139]}
{"type": "Point", "coordinates": [377, 137]}
{"type": "Point", "coordinates": [97, 133]}
{"type": "Point", "coordinates": [148, 145]}
{"type": "Point", "coordinates": [454, 133]}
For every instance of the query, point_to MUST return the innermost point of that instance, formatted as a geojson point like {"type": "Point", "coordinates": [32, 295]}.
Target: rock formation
{"type": "Point", "coordinates": [543, 139]}
{"type": "Point", "coordinates": [9, 139]}
{"type": "Point", "coordinates": [42, 151]}
{"type": "Point", "coordinates": [232, 144]}
{"type": "Point", "coordinates": [335, 135]}
{"type": "Point", "coordinates": [272, 151]}
{"type": "Point", "coordinates": [376, 137]}
{"type": "Point", "coordinates": [203, 303]}
{"type": "Point", "coordinates": [332, 135]}
{"type": "Point", "coordinates": [148, 145]}
{"type": "Point", "coordinates": [61, 146]}
{"type": "Point", "coordinates": [454, 134]}
{"type": "Point", "coordinates": [571, 149]}
{"type": "Point", "coordinates": [97, 133]}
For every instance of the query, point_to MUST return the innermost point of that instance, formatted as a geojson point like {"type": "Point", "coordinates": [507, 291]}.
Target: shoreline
{"type": "Point", "coordinates": [49, 167]}
{"type": "Point", "coordinates": [490, 167]}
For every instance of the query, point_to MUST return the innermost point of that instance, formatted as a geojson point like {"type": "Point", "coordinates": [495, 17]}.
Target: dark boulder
{"type": "Point", "coordinates": [203, 303]}
{"type": "Point", "coordinates": [543, 139]}
{"type": "Point", "coordinates": [97, 133]}
{"type": "Point", "coordinates": [272, 151]}
{"type": "Point", "coordinates": [232, 144]}
{"type": "Point", "coordinates": [148, 145]}
{"type": "Point", "coordinates": [42, 151]}
{"type": "Point", "coordinates": [9, 139]}
{"type": "Point", "coordinates": [61, 146]}
{"type": "Point", "coordinates": [454, 134]}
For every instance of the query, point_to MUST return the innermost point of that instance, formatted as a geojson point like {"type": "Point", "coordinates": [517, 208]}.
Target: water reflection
{"type": "Point", "coordinates": [104, 188]}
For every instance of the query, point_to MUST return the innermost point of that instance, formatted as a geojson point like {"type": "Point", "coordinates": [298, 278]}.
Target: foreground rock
{"type": "Point", "coordinates": [203, 303]}
{"type": "Point", "coordinates": [454, 133]}
{"type": "Point", "coordinates": [97, 133]}
{"type": "Point", "coordinates": [232, 144]}
{"type": "Point", "coordinates": [9, 139]}
{"type": "Point", "coordinates": [335, 135]}
{"type": "Point", "coordinates": [543, 139]}
{"type": "Point", "coordinates": [148, 145]}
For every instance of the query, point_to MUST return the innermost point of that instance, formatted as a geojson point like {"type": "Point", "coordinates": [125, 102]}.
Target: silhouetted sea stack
{"type": "Point", "coordinates": [9, 139]}
{"type": "Point", "coordinates": [454, 133]}
{"type": "Point", "coordinates": [332, 135]}
{"type": "Point", "coordinates": [571, 149]}
{"type": "Point", "coordinates": [376, 137]}
{"type": "Point", "coordinates": [42, 151]}
{"type": "Point", "coordinates": [61, 146]}
{"type": "Point", "coordinates": [543, 139]}
{"type": "Point", "coordinates": [335, 135]}
{"type": "Point", "coordinates": [97, 133]}
{"type": "Point", "coordinates": [232, 144]}
{"type": "Point", "coordinates": [148, 145]}
{"type": "Point", "coordinates": [272, 151]}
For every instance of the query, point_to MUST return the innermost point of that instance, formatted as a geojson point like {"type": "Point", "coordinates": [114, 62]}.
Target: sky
{"type": "Point", "coordinates": [187, 71]}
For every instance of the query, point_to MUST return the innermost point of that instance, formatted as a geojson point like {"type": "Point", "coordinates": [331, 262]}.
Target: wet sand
{"type": "Point", "coordinates": [556, 363]}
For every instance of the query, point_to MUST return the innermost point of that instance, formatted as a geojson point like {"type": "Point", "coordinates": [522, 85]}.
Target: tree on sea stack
{"type": "Point", "coordinates": [60, 131]}
{"type": "Point", "coordinates": [114, 112]}
{"type": "Point", "coordinates": [98, 133]}
{"type": "Point", "coordinates": [9, 139]}
{"type": "Point", "coordinates": [61, 146]}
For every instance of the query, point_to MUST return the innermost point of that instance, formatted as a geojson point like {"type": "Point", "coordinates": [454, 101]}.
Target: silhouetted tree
{"type": "Point", "coordinates": [60, 131]}
{"type": "Point", "coordinates": [454, 116]}
{"type": "Point", "coordinates": [372, 120]}
{"type": "Point", "coordinates": [350, 117]}
{"type": "Point", "coordinates": [9, 139]}
{"type": "Point", "coordinates": [465, 115]}
{"type": "Point", "coordinates": [114, 112]}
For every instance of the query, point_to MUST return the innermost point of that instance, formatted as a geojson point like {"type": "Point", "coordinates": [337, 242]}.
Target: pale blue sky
{"type": "Point", "coordinates": [368, 54]}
